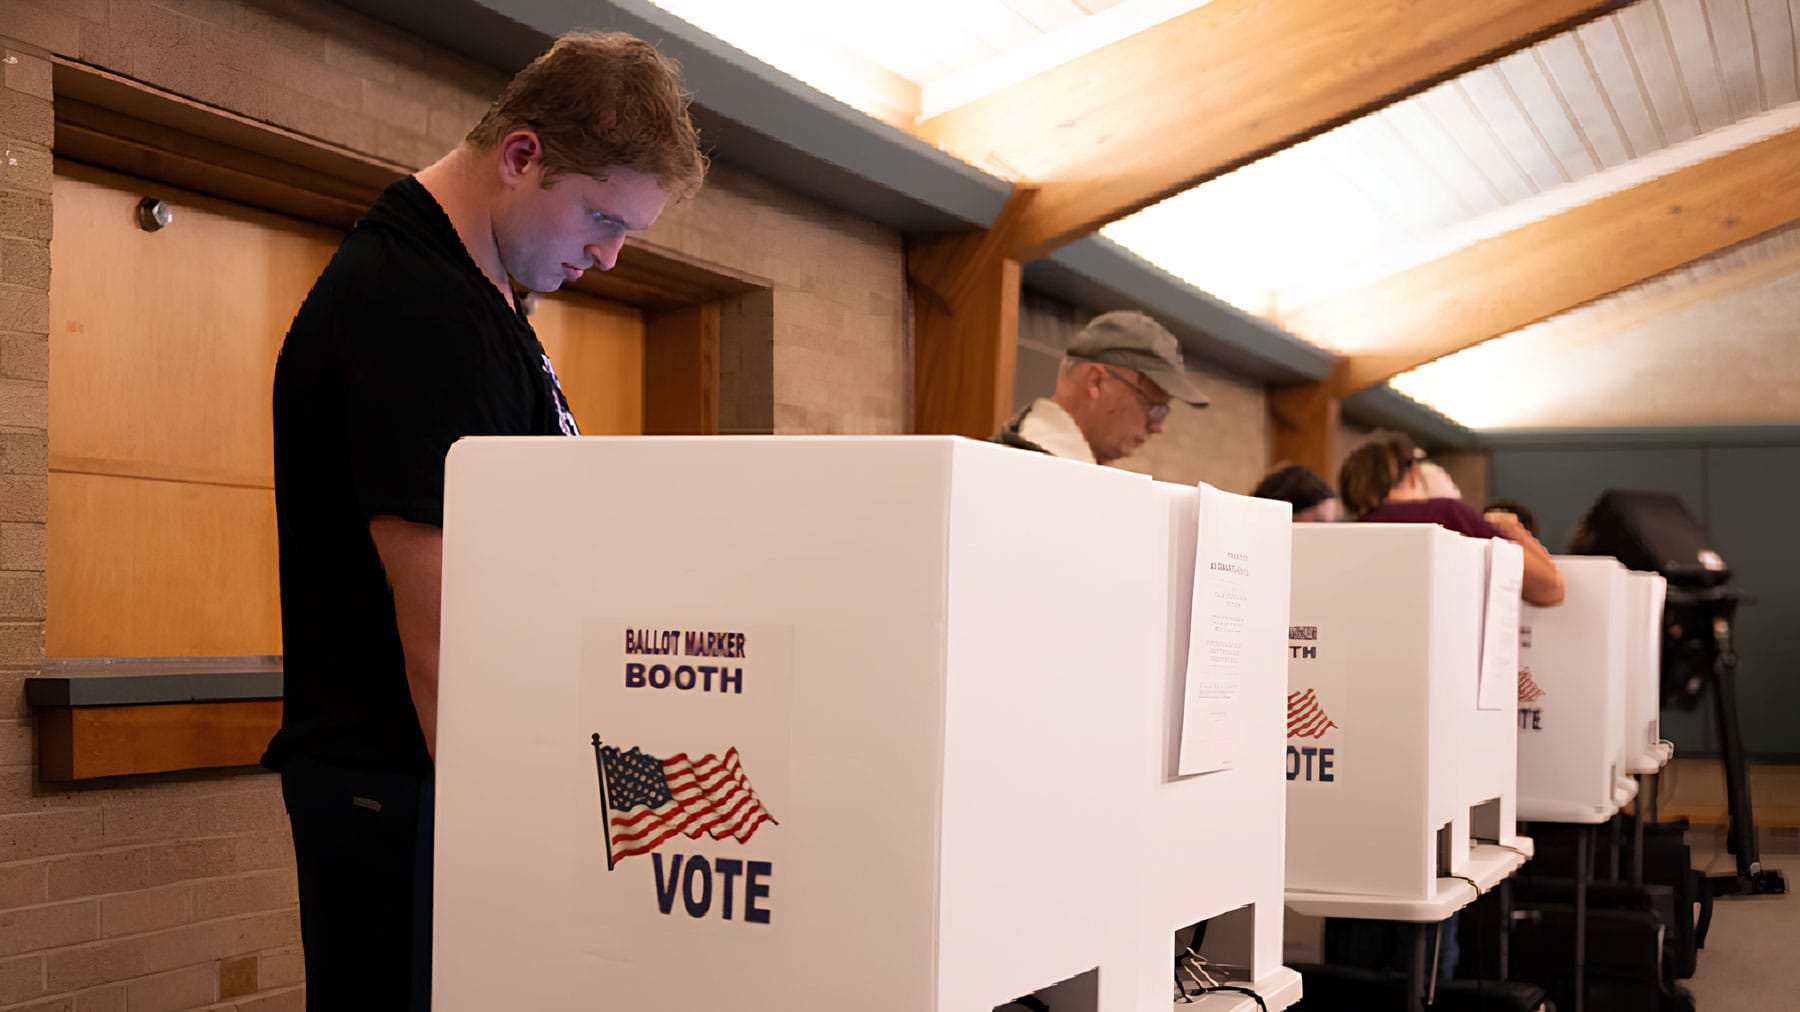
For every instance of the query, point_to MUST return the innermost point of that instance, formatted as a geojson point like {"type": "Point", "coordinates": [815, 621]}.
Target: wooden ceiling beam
{"type": "Point", "coordinates": [1556, 264]}
{"type": "Point", "coordinates": [965, 293]}
{"type": "Point", "coordinates": [1158, 112]}
{"type": "Point", "coordinates": [1303, 421]}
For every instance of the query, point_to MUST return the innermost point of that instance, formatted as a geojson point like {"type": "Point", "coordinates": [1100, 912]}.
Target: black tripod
{"type": "Point", "coordinates": [1698, 624]}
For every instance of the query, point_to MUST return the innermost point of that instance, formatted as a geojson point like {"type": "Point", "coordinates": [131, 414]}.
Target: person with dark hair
{"type": "Point", "coordinates": [413, 337]}
{"type": "Point", "coordinates": [1380, 482]}
{"type": "Point", "coordinates": [1312, 497]}
{"type": "Point", "coordinates": [1516, 508]}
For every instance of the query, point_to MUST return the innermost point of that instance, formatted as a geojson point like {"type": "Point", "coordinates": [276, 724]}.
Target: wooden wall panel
{"type": "Point", "coordinates": [86, 742]}
{"type": "Point", "coordinates": [681, 371]}
{"type": "Point", "coordinates": [162, 523]}
{"type": "Point", "coordinates": [145, 568]}
{"type": "Point", "coordinates": [163, 344]}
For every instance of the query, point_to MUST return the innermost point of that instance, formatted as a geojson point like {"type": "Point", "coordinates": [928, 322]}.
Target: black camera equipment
{"type": "Point", "coordinates": [1655, 532]}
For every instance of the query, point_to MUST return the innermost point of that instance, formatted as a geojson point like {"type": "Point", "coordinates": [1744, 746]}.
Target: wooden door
{"type": "Point", "coordinates": [162, 353]}
{"type": "Point", "coordinates": [598, 350]}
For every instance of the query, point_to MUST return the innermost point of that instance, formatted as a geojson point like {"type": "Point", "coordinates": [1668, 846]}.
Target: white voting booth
{"type": "Point", "coordinates": [1400, 719]}
{"type": "Point", "coordinates": [770, 723]}
{"type": "Point", "coordinates": [1572, 697]}
{"type": "Point", "coordinates": [1645, 749]}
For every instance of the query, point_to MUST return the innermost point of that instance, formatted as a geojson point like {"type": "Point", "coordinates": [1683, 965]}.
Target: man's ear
{"type": "Point", "coordinates": [1091, 379]}
{"type": "Point", "coordinates": [520, 154]}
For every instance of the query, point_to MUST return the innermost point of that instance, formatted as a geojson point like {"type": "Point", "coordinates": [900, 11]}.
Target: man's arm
{"type": "Point", "coordinates": [1543, 581]}
{"type": "Point", "coordinates": [413, 555]}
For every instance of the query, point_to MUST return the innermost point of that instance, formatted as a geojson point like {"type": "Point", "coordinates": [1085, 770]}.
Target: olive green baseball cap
{"type": "Point", "coordinates": [1126, 337]}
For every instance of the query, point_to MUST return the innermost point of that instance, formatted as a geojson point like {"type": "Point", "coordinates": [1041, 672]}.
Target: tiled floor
{"type": "Point", "coordinates": [1748, 962]}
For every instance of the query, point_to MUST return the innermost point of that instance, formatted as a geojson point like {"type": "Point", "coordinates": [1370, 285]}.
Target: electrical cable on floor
{"type": "Point", "coordinates": [1189, 996]}
{"type": "Point", "coordinates": [1194, 965]}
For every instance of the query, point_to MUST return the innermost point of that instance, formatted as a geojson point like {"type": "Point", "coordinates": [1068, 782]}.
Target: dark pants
{"type": "Point", "coordinates": [362, 847]}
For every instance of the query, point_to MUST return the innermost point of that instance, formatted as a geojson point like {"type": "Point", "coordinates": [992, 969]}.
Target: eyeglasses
{"type": "Point", "coordinates": [1154, 409]}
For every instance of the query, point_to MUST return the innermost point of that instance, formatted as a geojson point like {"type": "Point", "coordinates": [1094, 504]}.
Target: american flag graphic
{"type": "Point", "coordinates": [1528, 689]}
{"type": "Point", "coordinates": [648, 800]}
{"type": "Point", "coordinates": [1306, 718]}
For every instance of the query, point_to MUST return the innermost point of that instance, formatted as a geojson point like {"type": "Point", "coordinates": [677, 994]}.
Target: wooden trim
{"type": "Point", "coordinates": [1303, 419]}
{"type": "Point", "coordinates": [681, 371]}
{"type": "Point", "coordinates": [85, 742]}
{"type": "Point", "coordinates": [654, 277]}
{"type": "Point", "coordinates": [115, 123]}
{"type": "Point", "coordinates": [965, 292]}
{"type": "Point", "coordinates": [140, 101]}
{"type": "Point", "coordinates": [95, 136]}
{"type": "Point", "coordinates": [1536, 271]}
{"type": "Point", "coordinates": [1222, 85]}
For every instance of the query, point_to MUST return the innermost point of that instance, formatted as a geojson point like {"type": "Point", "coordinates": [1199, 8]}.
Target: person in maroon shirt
{"type": "Point", "coordinates": [1380, 482]}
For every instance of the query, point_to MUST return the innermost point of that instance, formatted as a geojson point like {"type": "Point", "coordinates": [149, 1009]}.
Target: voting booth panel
{"type": "Point", "coordinates": [1388, 749]}
{"type": "Point", "coordinates": [1645, 750]}
{"type": "Point", "coordinates": [1572, 692]}
{"type": "Point", "coordinates": [1215, 801]}
{"type": "Point", "coordinates": [1489, 736]}
{"type": "Point", "coordinates": [805, 723]}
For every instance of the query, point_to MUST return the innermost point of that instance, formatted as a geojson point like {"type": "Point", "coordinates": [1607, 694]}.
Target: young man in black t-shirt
{"type": "Point", "coordinates": [411, 339]}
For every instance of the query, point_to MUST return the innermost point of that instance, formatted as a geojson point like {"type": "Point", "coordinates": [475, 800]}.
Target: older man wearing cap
{"type": "Point", "coordinates": [1112, 392]}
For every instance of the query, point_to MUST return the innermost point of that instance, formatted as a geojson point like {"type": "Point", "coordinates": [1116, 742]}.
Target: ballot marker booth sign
{"type": "Point", "coordinates": [688, 789]}
{"type": "Point", "coordinates": [782, 723]}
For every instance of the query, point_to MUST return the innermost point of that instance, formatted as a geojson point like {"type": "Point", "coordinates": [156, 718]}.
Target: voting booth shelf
{"type": "Point", "coordinates": [1401, 740]}
{"type": "Point", "coordinates": [1572, 694]}
{"type": "Point", "coordinates": [836, 722]}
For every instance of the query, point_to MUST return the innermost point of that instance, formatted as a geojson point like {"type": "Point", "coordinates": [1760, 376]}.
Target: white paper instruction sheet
{"type": "Point", "coordinates": [1499, 677]}
{"type": "Point", "coordinates": [1239, 630]}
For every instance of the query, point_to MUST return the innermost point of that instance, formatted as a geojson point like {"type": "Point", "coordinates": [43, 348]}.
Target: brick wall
{"type": "Point", "coordinates": [177, 892]}
{"type": "Point", "coordinates": [842, 339]}
{"type": "Point", "coordinates": [1225, 444]}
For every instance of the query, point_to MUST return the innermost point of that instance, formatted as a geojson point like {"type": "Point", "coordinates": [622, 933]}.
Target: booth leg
{"type": "Point", "coordinates": [1584, 871]}
{"type": "Point", "coordinates": [1416, 971]}
{"type": "Point", "coordinates": [1637, 833]}
{"type": "Point", "coordinates": [1612, 849]}
{"type": "Point", "coordinates": [1504, 950]}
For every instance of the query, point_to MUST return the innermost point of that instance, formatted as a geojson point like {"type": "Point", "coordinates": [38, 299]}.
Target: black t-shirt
{"type": "Point", "coordinates": [402, 347]}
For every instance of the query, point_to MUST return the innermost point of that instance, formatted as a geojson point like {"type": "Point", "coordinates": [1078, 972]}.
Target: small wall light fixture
{"type": "Point", "coordinates": [154, 215]}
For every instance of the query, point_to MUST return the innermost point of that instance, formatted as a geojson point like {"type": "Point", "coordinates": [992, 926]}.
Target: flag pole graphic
{"type": "Point", "coordinates": [605, 809]}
